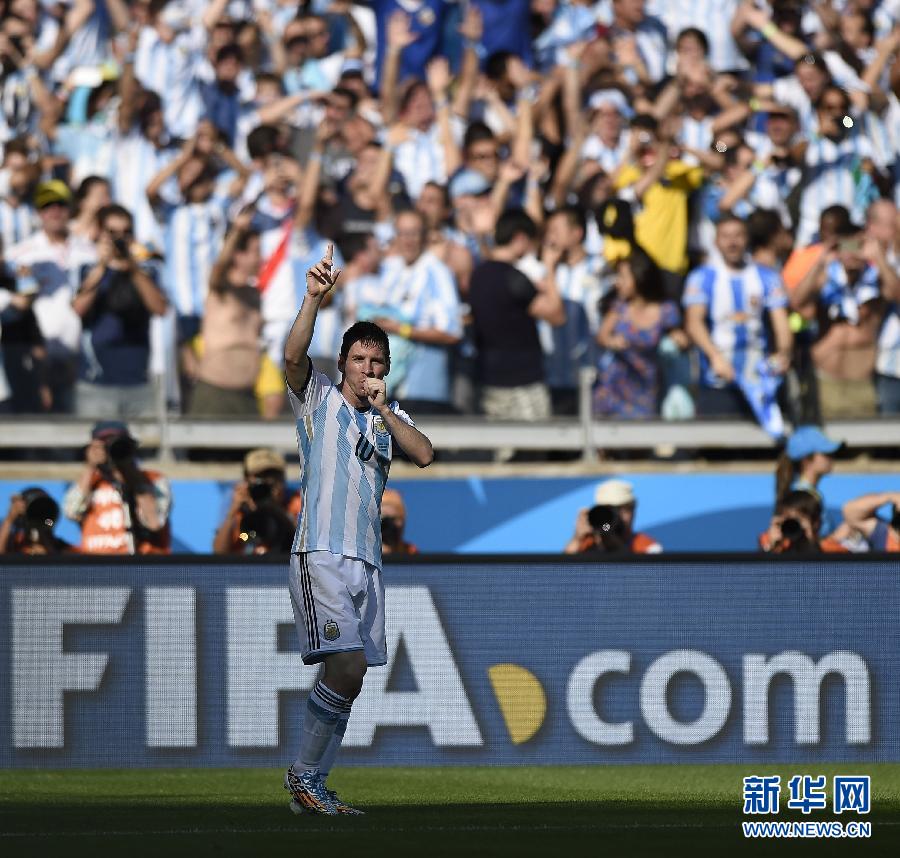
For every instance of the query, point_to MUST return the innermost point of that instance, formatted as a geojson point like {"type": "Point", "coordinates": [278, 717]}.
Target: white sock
{"type": "Point", "coordinates": [334, 745]}
{"type": "Point", "coordinates": [324, 708]}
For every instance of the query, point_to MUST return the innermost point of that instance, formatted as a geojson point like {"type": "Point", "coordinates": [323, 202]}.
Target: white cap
{"type": "Point", "coordinates": [614, 493]}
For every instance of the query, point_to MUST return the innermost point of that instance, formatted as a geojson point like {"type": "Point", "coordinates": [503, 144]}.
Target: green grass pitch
{"type": "Point", "coordinates": [555, 812]}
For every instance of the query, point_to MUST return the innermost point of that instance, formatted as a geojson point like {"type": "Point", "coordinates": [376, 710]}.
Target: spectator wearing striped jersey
{"type": "Point", "coordinates": [841, 295]}
{"type": "Point", "coordinates": [120, 507]}
{"type": "Point", "coordinates": [838, 164]}
{"type": "Point", "coordinates": [420, 310]}
{"type": "Point", "coordinates": [20, 172]}
{"type": "Point", "coordinates": [726, 305]}
{"type": "Point", "coordinates": [882, 224]}
{"type": "Point", "coordinates": [881, 534]}
{"type": "Point", "coordinates": [194, 226]}
{"type": "Point", "coordinates": [54, 258]}
{"type": "Point", "coordinates": [569, 347]}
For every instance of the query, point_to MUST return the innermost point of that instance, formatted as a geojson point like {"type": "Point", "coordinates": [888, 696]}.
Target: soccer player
{"type": "Point", "coordinates": [345, 434]}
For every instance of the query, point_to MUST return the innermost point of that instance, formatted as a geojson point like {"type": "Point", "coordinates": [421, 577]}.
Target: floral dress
{"type": "Point", "coordinates": [627, 380]}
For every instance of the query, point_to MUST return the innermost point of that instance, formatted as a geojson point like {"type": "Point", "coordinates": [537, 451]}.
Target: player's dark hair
{"type": "Point", "coordinates": [369, 334]}
{"type": "Point", "coordinates": [511, 223]}
{"type": "Point", "coordinates": [244, 239]}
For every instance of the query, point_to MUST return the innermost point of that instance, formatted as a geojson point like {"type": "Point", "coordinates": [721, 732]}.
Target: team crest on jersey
{"type": "Point", "coordinates": [331, 630]}
{"type": "Point", "coordinates": [379, 424]}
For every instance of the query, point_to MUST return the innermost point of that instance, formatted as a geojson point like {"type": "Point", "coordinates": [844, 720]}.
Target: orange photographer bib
{"type": "Point", "coordinates": [107, 526]}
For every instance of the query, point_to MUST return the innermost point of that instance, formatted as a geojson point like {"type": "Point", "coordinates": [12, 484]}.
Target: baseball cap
{"type": "Point", "coordinates": [263, 459]}
{"type": "Point", "coordinates": [54, 191]}
{"type": "Point", "coordinates": [109, 429]}
{"type": "Point", "coordinates": [392, 505]}
{"type": "Point", "coordinates": [807, 440]}
{"type": "Point", "coordinates": [614, 493]}
{"type": "Point", "coordinates": [468, 183]}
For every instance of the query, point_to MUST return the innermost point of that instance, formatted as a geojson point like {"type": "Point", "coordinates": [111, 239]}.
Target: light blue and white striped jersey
{"type": "Point", "coordinates": [345, 459]}
{"type": "Point", "coordinates": [5, 390]}
{"type": "Point", "coordinates": [193, 235]}
{"type": "Point", "coordinates": [16, 223]}
{"type": "Point", "coordinates": [695, 134]}
{"type": "Point", "coordinates": [170, 70]}
{"type": "Point", "coordinates": [787, 90]}
{"type": "Point", "coordinates": [887, 361]}
{"type": "Point", "coordinates": [420, 158]}
{"type": "Point", "coordinates": [570, 346]}
{"type": "Point", "coordinates": [841, 298]}
{"type": "Point", "coordinates": [424, 295]}
{"type": "Point", "coordinates": [136, 162]}
{"type": "Point", "coordinates": [713, 17]}
{"type": "Point", "coordinates": [736, 303]}
{"type": "Point", "coordinates": [832, 177]}
{"type": "Point", "coordinates": [608, 157]}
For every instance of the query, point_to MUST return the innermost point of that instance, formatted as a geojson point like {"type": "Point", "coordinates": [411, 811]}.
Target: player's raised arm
{"type": "Point", "coordinates": [320, 280]}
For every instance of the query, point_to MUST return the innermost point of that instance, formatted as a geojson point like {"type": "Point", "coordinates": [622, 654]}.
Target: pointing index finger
{"type": "Point", "coordinates": [329, 254]}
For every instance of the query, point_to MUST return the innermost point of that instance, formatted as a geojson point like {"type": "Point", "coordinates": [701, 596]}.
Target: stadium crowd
{"type": "Point", "coordinates": [693, 199]}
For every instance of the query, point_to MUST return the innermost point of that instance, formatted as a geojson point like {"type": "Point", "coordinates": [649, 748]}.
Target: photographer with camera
{"type": "Point", "coordinates": [393, 523]}
{"type": "Point", "coordinates": [121, 508]}
{"type": "Point", "coordinates": [263, 514]}
{"type": "Point", "coordinates": [117, 297]}
{"type": "Point", "coordinates": [608, 526]}
{"type": "Point", "coordinates": [795, 527]}
{"type": "Point", "coordinates": [28, 526]}
{"type": "Point", "coordinates": [861, 514]}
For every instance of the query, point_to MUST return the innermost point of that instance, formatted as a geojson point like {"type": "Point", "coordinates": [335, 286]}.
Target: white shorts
{"type": "Point", "coordinates": [338, 606]}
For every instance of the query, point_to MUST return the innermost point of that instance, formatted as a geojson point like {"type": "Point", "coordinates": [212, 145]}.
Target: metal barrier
{"type": "Point", "coordinates": [167, 433]}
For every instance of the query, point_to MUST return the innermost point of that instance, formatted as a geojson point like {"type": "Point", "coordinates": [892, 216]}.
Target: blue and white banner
{"type": "Point", "coordinates": [532, 662]}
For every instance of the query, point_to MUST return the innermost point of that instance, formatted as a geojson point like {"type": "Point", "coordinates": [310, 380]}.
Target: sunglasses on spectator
{"type": "Point", "coordinates": [53, 204]}
{"type": "Point", "coordinates": [484, 156]}
{"type": "Point", "coordinates": [119, 233]}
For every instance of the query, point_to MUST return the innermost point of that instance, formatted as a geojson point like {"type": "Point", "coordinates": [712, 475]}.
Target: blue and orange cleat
{"type": "Point", "coordinates": [308, 793]}
{"type": "Point", "coordinates": [341, 806]}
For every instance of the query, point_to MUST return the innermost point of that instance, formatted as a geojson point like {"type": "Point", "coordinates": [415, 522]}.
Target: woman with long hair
{"type": "Point", "coordinates": [807, 457]}
{"type": "Point", "coordinates": [636, 316]}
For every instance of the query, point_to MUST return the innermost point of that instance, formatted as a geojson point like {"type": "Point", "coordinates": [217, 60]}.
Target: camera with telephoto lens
{"type": "Point", "coordinates": [794, 536]}
{"type": "Point", "coordinates": [41, 511]}
{"type": "Point", "coordinates": [895, 517]}
{"type": "Point", "coordinates": [259, 490]}
{"type": "Point", "coordinates": [391, 532]}
{"type": "Point", "coordinates": [266, 529]}
{"type": "Point", "coordinates": [608, 527]}
{"type": "Point", "coordinates": [121, 246]}
{"type": "Point", "coordinates": [121, 448]}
